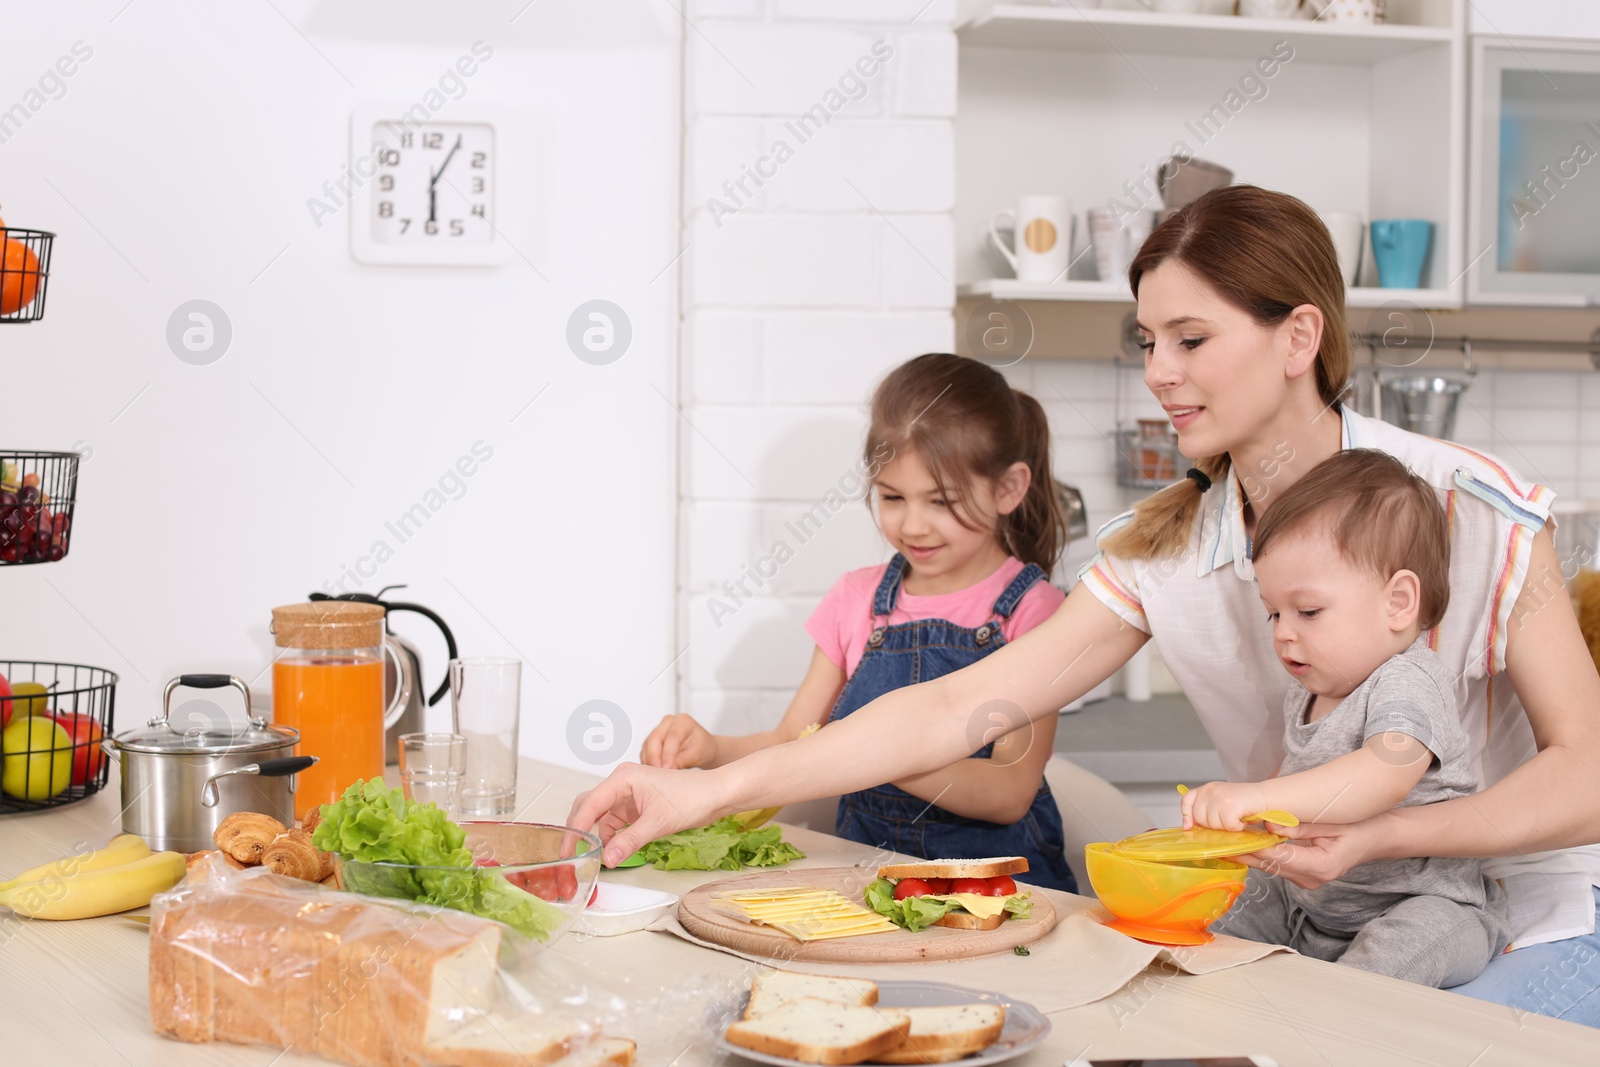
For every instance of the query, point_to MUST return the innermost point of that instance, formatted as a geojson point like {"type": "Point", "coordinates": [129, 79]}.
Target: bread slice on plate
{"type": "Point", "coordinates": [773, 989]}
{"type": "Point", "coordinates": [946, 1033]}
{"type": "Point", "coordinates": [988, 867]}
{"type": "Point", "coordinates": [812, 1030]}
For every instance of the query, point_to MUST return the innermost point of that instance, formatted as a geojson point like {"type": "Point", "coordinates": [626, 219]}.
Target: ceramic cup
{"type": "Point", "coordinates": [1400, 248]}
{"type": "Point", "coordinates": [1269, 9]}
{"type": "Point", "coordinates": [1116, 237]}
{"type": "Point", "coordinates": [1349, 233]}
{"type": "Point", "coordinates": [1364, 11]}
{"type": "Point", "coordinates": [1042, 234]}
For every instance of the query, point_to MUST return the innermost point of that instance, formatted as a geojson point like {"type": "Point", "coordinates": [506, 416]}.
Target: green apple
{"type": "Point", "coordinates": [39, 698]}
{"type": "Point", "coordinates": [29, 769]}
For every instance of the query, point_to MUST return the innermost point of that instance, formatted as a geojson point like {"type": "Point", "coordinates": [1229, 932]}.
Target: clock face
{"type": "Point", "coordinates": [434, 185]}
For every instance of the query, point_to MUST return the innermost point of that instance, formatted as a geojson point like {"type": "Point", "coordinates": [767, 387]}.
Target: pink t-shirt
{"type": "Point", "coordinates": [843, 621]}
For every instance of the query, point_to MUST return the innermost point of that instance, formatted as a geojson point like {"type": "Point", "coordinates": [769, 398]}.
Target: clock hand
{"type": "Point", "coordinates": [433, 181]}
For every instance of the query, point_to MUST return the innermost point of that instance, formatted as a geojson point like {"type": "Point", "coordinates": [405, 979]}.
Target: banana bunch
{"type": "Point", "coordinates": [123, 875]}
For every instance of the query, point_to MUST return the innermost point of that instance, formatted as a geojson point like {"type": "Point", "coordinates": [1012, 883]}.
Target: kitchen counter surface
{"type": "Point", "coordinates": [1123, 741]}
{"type": "Point", "coordinates": [77, 992]}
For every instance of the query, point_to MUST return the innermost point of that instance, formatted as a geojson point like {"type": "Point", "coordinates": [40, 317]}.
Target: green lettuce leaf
{"type": "Point", "coordinates": [372, 823]}
{"type": "Point", "coordinates": [722, 846]}
{"type": "Point", "coordinates": [914, 913]}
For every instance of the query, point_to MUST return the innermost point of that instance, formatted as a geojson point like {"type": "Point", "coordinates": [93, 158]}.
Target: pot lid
{"type": "Point", "coordinates": [210, 738]}
{"type": "Point", "coordinates": [1177, 845]}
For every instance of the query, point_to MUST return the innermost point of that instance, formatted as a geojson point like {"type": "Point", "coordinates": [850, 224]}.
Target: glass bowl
{"type": "Point", "coordinates": [518, 878]}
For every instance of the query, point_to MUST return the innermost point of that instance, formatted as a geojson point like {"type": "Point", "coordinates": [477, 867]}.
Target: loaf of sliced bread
{"type": "Point", "coordinates": [987, 867]}
{"type": "Point", "coordinates": [812, 1030]}
{"type": "Point", "coordinates": [496, 1041]}
{"type": "Point", "coordinates": [773, 989]}
{"type": "Point", "coordinates": [943, 1034]}
{"type": "Point", "coordinates": [606, 1052]}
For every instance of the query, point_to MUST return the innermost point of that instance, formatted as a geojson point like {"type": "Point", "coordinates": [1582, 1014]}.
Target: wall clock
{"type": "Point", "coordinates": [430, 188]}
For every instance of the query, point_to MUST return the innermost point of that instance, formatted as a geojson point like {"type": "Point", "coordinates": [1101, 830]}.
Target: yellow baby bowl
{"type": "Point", "coordinates": [1168, 886]}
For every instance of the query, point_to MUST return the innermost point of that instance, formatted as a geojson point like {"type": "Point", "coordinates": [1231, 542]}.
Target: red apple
{"type": "Point", "coordinates": [87, 755]}
{"type": "Point", "coordinates": [6, 706]}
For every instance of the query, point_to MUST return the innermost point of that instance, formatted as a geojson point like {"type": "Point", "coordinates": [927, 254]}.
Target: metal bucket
{"type": "Point", "coordinates": [1423, 403]}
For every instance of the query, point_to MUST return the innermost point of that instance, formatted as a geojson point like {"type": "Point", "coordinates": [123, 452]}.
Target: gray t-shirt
{"type": "Point", "coordinates": [1413, 694]}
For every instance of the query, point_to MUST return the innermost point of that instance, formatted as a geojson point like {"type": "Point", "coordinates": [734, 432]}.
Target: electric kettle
{"type": "Point", "coordinates": [409, 673]}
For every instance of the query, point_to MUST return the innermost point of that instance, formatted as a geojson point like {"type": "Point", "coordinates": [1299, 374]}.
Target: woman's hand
{"type": "Point", "coordinates": [1318, 853]}
{"type": "Point", "coordinates": [636, 805]}
{"type": "Point", "coordinates": [678, 742]}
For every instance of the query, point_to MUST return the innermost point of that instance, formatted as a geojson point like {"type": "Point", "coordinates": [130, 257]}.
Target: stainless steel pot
{"type": "Point", "coordinates": [179, 781]}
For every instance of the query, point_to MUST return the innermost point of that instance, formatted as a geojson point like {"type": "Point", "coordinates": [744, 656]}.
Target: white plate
{"type": "Point", "coordinates": [1025, 1027]}
{"type": "Point", "coordinates": [622, 909]}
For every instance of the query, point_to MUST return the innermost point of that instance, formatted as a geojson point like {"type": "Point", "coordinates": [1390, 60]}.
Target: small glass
{"type": "Point", "coordinates": [486, 698]}
{"type": "Point", "coordinates": [433, 768]}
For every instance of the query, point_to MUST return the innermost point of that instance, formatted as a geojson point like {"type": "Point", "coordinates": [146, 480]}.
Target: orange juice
{"type": "Point", "coordinates": [336, 702]}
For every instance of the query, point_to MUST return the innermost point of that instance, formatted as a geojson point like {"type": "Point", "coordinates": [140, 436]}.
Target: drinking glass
{"type": "Point", "coordinates": [486, 695]}
{"type": "Point", "coordinates": [432, 769]}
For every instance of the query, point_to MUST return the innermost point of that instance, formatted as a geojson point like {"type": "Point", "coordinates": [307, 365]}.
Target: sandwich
{"type": "Point", "coordinates": [964, 894]}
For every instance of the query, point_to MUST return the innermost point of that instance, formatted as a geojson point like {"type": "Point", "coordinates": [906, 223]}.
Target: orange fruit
{"type": "Point", "coordinates": [19, 277]}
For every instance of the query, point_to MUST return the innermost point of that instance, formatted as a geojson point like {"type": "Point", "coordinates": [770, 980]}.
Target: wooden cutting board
{"type": "Point", "coordinates": [699, 917]}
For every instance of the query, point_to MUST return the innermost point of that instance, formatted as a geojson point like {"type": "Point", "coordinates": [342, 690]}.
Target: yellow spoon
{"type": "Point", "coordinates": [1282, 818]}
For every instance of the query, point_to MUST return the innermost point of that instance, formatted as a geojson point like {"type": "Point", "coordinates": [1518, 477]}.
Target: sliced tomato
{"type": "Point", "coordinates": [979, 886]}
{"type": "Point", "coordinates": [555, 884]}
{"type": "Point", "coordinates": [595, 892]}
{"type": "Point", "coordinates": [1001, 885]}
{"type": "Point", "coordinates": [911, 887]}
{"type": "Point", "coordinates": [938, 885]}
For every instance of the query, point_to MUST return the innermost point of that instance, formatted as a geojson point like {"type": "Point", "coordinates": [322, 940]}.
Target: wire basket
{"type": "Point", "coordinates": [36, 497]}
{"type": "Point", "coordinates": [24, 273]}
{"type": "Point", "coordinates": [1145, 461]}
{"type": "Point", "coordinates": [45, 767]}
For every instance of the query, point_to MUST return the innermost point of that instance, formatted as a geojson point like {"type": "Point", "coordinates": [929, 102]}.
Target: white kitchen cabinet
{"type": "Point", "coordinates": [1535, 186]}
{"type": "Point", "coordinates": [1085, 102]}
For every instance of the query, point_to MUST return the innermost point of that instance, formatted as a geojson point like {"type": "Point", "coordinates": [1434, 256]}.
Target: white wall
{"type": "Point", "coordinates": [837, 268]}
{"type": "Point", "coordinates": [177, 166]}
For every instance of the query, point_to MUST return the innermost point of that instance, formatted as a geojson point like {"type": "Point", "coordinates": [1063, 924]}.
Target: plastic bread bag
{"type": "Point", "coordinates": [252, 957]}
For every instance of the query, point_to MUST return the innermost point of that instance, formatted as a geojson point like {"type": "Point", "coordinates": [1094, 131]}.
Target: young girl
{"type": "Point", "coordinates": [964, 495]}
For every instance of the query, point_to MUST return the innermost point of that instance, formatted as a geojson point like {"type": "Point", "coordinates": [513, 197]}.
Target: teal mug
{"type": "Point", "coordinates": [1400, 249]}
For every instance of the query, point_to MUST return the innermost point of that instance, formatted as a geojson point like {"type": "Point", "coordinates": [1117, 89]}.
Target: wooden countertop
{"type": "Point", "coordinates": [77, 992]}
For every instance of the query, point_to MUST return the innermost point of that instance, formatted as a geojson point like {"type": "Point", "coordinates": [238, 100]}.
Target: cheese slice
{"type": "Point", "coordinates": [806, 914]}
{"type": "Point", "coordinates": [981, 906]}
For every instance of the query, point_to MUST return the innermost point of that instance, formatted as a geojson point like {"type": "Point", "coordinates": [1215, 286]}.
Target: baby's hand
{"type": "Point", "coordinates": [677, 742]}
{"type": "Point", "coordinates": [1223, 805]}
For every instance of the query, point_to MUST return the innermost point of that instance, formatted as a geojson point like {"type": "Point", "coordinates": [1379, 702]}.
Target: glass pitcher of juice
{"type": "Point", "coordinates": [327, 682]}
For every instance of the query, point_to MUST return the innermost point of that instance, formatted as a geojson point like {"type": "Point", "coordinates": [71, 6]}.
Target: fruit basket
{"type": "Point", "coordinates": [37, 490]}
{"type": "Point", "coordinates": [54, 715]}
{"type": "Point", "coordinates": [24, 273]}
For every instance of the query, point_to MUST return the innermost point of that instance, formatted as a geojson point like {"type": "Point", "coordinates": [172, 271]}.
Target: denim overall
{"type": "Point", "coordinates": [911, 652]}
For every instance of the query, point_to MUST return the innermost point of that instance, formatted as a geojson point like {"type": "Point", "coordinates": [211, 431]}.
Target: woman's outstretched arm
{"type": "Point", "coordinates": [917, 728]}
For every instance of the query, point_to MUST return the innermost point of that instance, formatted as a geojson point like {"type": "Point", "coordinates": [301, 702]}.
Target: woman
{"type": "Point", "coordinates": [1241, 305]}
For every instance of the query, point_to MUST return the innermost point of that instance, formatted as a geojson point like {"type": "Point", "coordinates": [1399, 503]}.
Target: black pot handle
{"type": "Point", "coordinates": [205, 681]}
{"type": "Point", "coordinates": [287, 765]}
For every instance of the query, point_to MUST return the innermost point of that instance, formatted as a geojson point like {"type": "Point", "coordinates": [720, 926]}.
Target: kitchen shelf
{"type": "Point", "coordinates": [1149, 33]}
{"type": "Point", "coordinates": [1118, 293]}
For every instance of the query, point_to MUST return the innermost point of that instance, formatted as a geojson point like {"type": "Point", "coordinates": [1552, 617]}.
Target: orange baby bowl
{"type": "Point", "coordinates": [1166, 903]}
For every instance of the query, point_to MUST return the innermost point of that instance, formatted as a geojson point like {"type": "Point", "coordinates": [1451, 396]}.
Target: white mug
{"type": "Point", "coordinates": [1366, 12]}
{"type": "Point", "coordinates": [1116, 238]}
{"type": "Point", "coordinates": [1042, 228]}
{"type": "Point", "coordinates": [1349, 232]}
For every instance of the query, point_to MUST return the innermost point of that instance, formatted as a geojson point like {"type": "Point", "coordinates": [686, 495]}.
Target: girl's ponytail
{"type": "Point", "coordinates": [1036, 531]}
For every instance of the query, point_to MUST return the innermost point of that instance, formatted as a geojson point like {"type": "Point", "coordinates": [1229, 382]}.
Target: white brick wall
{"type": "Point", "coordinates": [826, 260]}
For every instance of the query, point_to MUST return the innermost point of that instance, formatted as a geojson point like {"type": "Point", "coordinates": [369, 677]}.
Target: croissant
{"type": "Point", "coordinates": [309, 822]}
{"type": "Point", "coordinates": [293, 854]}
{"type": "Point", "coordinates": [244, 834]}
